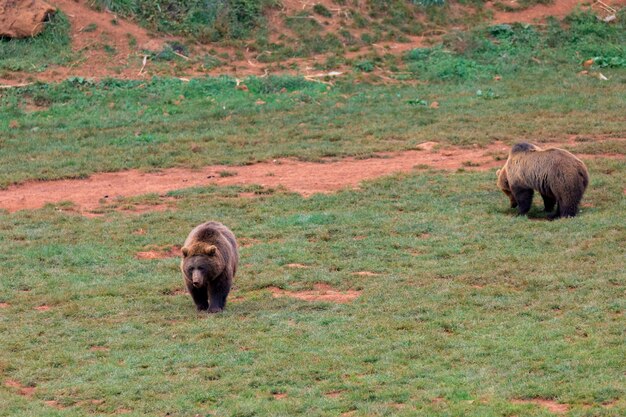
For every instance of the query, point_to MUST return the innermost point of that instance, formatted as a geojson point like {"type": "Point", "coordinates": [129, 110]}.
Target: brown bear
{"type": "Point", "coordinates": [555, 173]}
{"type": "Point", "coordinates": [209, 265]}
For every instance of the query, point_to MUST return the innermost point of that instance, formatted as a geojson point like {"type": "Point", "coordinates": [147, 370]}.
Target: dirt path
{"type": "Point", "coordinates": [306, 178]}
{"type": "Point", "coordinates": [558, 9]}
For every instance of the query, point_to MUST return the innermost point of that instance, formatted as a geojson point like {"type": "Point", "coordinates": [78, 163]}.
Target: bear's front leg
{"type": "Point", "coordinates": [218, 290]}
{"type": "Point", "coordinates": [548, 203]}
{"type": "Point", "coordinates": [200, 297]}
{"type": "Point", "coordinates": [524, 198]}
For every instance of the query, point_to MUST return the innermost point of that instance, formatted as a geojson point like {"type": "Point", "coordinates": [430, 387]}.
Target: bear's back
{"type": "Point", "coordinates": [211, 232]}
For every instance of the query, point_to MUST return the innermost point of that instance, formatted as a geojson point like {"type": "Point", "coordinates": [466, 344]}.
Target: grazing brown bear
{"type": "Point", "coordinates": [209, 265]}
{"type": "Point", "coordinates": [556, 174]}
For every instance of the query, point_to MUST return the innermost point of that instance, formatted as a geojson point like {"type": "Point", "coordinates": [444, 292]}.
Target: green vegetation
{"type": "Point", "coordinates": [321, 10]}
{"type": "Point", "coordinates": [167, 122]}
{"type": "Point", "coordinates": [78, 127]}
{"type": "Point", "coordinates": [512, 49]}
{"type": "Point", "coordinates": [470, 309]}
{"type": "Point", "coordinates": [206, 20]}
{"type": "Point", "coordinates": [238, 21]}
{"type": "Point", "coordinates": [52, 46]}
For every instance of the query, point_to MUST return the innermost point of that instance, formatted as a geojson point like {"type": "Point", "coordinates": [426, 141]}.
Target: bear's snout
{"type": "Point", "coordinates": [197, 279]}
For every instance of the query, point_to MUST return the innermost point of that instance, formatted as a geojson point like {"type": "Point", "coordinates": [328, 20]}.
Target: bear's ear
{"type": "Point", "coordinates": [210, 250]}
{"type": "Point", "coordinates": [185, 251]}
{"type": "Point", "coordinates": [498, 172]}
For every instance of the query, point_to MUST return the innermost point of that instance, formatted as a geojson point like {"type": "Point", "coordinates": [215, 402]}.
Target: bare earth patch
{"type": "Point", "coordinates": [321, 292]}
{"type": "Point", "coordinates": [244, 242]}
{"type": "Point", "coordinates": [177, 291]}
{"type": "Point", "coordinates": [99, 349]}
{"type": "Point", "coordinates": [365, 273]}
{"type": "Point", "coordinates": [21, 390]}
{"type": "Point", "coordinates": [160, 253]}
{"type": "Point", "coordinates": [4, 305]}
{"type": "Point", "coordinates": [53, 404]}
{"type": "Point", "coordinates": [42, 308]}
{"type": "Point", "coordinates": [306, 178]}
{"type": "Point", "coordinates": [145, 208]}
{"type": "Point", "coordinates": [335, 393]}
{"type": "Point", "coordinates": [550, 405]}
{"type": "Point", "coordinates": [538, 12]}
{"type": "Point", "coordinates": [296, 266]}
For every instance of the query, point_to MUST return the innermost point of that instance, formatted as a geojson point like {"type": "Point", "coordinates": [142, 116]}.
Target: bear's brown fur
{"type": "Point", "coordinates": [555, 173]}
{"type": "Point", "coordinates": [503, 184]}
{"type": "Point", "coordinates": [209, 265]}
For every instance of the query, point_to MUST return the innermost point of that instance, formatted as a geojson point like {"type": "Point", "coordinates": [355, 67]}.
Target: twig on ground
{"type": "Point", "coordinates": [181, 55]}
{"type": "Point", "coordinates": [7, 86]}
{"type": "Point", "coordinates": [145, 61]}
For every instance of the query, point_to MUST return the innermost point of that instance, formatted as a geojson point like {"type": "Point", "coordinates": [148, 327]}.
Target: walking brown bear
{"type": "Point", "coordinates": [209, 265]}
{"type": "Point", "coordinates": [555, 173]}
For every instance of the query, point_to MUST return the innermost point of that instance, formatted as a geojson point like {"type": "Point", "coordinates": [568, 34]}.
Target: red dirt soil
{"type": "Point", "coordinates": [538, 12]}
{"type": "Point", "coordinates": [306, 178]}
{"type": "Point", "coordinates": [321, 292]}
{"type": "Point", "coordinates": [98, 63]}
{"type": "Point", "coordinates": [550, 405]}
{"type": "Point", "coordinates": [126, 60]}
{"type": "Point", "coordinates": [160, 253]}
{"type": "Point", "coordinates": [21, 390]}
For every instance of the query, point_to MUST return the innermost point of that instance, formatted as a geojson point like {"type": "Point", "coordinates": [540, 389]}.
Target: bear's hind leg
{"type": "Point", "coordinates": [524, 198]}
{"type": "Point", "coordinates": [200, 297]}
{"type": "Point", "coordinates": [548, 203]}
{"type": "Point", "coordinates": [568, 210]}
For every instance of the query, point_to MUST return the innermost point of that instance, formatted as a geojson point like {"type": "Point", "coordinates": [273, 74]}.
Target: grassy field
{"type": "Point", "coordinates": [464, 308]}
{"type": "Point", "coordinates": [81, 128]}
{"type": "Point", "coordinates": [470, 309]}
{"type": "Point", "coordinates": [500, 83]}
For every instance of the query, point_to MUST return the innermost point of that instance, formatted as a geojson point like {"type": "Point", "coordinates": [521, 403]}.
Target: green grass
{"type": "Point", "coordinates": [114, 125]}
{"type": "Point", "coordinates": [207, 21]}
{"type": "Point", "coordinates": [82, 127]}
{"type": "Point", "coordinates": [472, 308]}
{"type": "Point", "coordinates": [50, 47]}
{"type": "Point", "coordinates": [514, 49]}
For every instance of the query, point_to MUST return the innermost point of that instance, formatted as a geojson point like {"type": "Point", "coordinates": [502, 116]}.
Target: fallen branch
{"type": "Point", "coordinates": [145, 61]}
{"type": "Point", "coordinates": [325, 74]}
{"type": "Point", "coordinates": [7, 86]}
{"type": "Point", "coordinates": [313, 78]}
{"type": "Point", "coordinates": [181, 55]}
{"type": "Point", "coordinates": [606, 7]}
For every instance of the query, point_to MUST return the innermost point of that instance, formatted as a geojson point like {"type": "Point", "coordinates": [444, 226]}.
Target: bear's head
{"type": "Point", "coordinates": [201, 263]}
{"type": "Point", "coordinates": [503, 184]}
{"type": "Point", "coordinates": [524, 147]}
